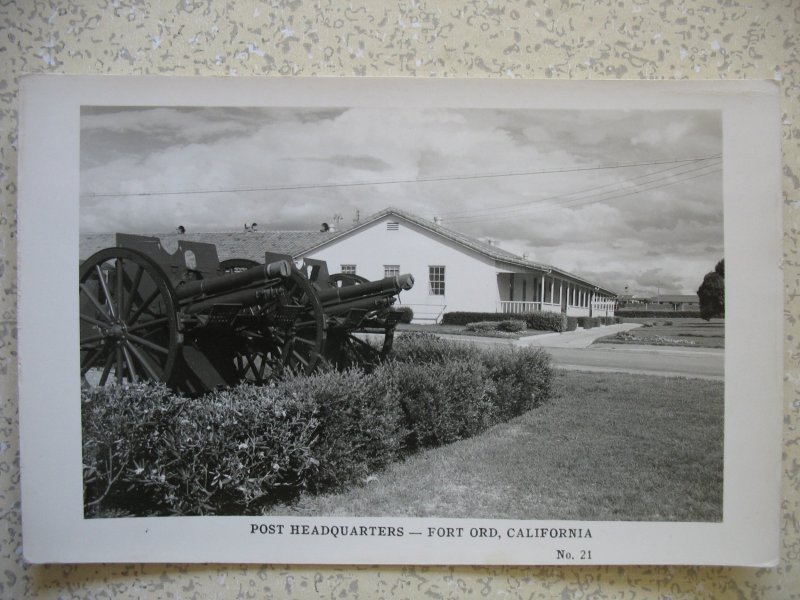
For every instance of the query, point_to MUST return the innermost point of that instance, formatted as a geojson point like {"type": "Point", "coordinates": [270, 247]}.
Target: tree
{"type": "Point", "coordinates": [712, 293]}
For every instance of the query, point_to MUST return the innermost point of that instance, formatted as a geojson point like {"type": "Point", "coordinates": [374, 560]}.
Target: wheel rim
{"type": "Point", "coordinates": [128, 322]}
{"type": "Point", "coordinates": [301, 336]}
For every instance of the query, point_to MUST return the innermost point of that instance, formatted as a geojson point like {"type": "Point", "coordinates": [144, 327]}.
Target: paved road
{"type": "Point", "coordinates": [574, 350]}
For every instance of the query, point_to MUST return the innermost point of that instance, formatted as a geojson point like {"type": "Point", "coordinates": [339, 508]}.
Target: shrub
{"type": "Point", "coordinates": [512, 325]}
{"type": "Point", "coordinates": [539, 320]}
{"type": "Point", "coordinates": [483, 326]}
{"type": "Point", "coordinates": [523, 379]}
{"type": "Point", "coordinates": [572, 323]}
{"type": "Point", "coordinates": [443, 402]}
{"type": "Point", "coordinates": [509, 325]}
{"type": "Point", "coordinates": [546, 321]}
{"type": "Point", "coordinates": [423, 348]}
{"type": "Point", "coordinates": [586, 322]}
{"type": "Point", "coordinates": [407, 313]}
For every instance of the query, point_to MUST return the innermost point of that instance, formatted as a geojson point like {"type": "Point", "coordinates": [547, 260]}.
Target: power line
{"type": "Point", "coordinates": [458, 214]}
{"type": "Point", "coordinates": [583, 201]}
{"type": "Point", "coordinates": [287, 187]}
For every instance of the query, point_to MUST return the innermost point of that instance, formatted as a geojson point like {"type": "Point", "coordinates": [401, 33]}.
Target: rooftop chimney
{"type": "Point", "coordinates": [437, 220]}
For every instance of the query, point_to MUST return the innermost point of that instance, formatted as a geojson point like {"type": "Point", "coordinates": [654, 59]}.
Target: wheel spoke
{"type": "Point", "coordinates": [145, 325]}
{"type": "Point", "coordinates": [148, 344]}
{"type": "Point", "coordinates": [252, 364]}
{"type": "Point", "coordinates": [92, 360]}
{"type": "Point", "coordinates": [100, 308]}
{"type": "Point", "coordinates": [120, 288]}
{"type": "Point", "coordinates": [119, 361]}
{"type": "Point", "coordinates": [299, 357]}
{"type": "Point", "coordinates": [305, 341]}
{"type": "Point", "coordinates": [151, 373]}
{"type": "Point", "coordinates": [134, 287]}
{"type": "Point", "coordinates": [91, 339]}
{"type": "Point", "coordinates": [144, 306]}
{"type": "Point", "coordinates": [103, 285]}
{"type": "Point", "coordinates": [95, 322]}
{"type": "Point", "coordinates": [107, 368]}
{"type": "Point", "coordinates": [129, 364]}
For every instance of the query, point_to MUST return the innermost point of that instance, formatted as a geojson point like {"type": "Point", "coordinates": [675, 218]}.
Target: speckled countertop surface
{"type": "Point", "coordinates": [603, 39]}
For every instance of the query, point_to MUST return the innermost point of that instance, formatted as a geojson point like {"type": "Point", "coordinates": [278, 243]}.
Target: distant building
{"type": "Point", "coordinates": [672, 302]}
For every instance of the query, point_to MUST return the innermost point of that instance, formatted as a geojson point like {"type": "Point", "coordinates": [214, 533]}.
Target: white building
{"type": "Point", "coordinates": [454, 272]}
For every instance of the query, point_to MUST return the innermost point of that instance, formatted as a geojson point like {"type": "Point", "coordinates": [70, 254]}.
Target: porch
{"type": "Point", "coordinates": [525, 292]}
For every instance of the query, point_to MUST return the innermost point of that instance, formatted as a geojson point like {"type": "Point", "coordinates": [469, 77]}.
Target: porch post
{"type": "Point", "coordinates": [541, 298]}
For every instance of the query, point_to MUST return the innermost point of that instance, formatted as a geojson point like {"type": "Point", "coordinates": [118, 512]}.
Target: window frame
{"type": "Point", "coordinates": [436, 287]}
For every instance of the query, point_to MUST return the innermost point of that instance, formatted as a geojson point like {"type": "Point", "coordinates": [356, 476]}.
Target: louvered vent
{"type": "Point", "coordinates": [392, 226]}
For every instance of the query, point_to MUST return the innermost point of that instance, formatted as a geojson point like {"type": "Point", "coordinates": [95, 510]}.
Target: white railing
{"type": "Point", "coordinates": [426, 312]}
{"type": "Point", "coordinates": [517, 306]}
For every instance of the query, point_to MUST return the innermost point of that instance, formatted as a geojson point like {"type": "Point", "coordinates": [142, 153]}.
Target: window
{"type": "Point", "coordinates": [391, 270]}
{"type": "Point", "coordinates": [392, 226]}
{"type": "Point", "coordinates": [349, 269]}
{"type": "Point", "coordinates": [436, 281]}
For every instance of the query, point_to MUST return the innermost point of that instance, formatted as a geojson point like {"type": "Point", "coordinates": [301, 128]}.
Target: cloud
{"type": "Point", "coordinates": [243, 165]}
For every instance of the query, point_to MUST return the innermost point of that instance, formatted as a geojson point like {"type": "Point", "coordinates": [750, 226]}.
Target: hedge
{"type": "Point", "coordinates": [538, 320]}
{"type": "Point", "coordinates": [149, 452]}
{"type": "Point", "coordinates": [509, 326]}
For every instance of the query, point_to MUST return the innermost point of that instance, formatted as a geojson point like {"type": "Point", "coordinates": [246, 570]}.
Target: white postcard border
{"type": "Point", "coordinates": [54, 529]}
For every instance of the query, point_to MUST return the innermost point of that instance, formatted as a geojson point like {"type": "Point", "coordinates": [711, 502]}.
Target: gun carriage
{"type": "Point", "coordinates": [196, 323]}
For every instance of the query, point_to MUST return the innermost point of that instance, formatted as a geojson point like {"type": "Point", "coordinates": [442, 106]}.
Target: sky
{"type": "Point", "coordinates": [629, 199]}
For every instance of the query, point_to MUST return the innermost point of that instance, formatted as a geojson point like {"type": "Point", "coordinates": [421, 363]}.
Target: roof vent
{"type": "Point", "coordinates": [392, 226]}
{"type": "Point", "coordinates": [437, 220]}
{"type": "Point", "coordinates": [491, 242]}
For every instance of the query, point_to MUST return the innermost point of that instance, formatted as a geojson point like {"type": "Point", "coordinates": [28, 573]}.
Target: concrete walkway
{"type": "Point", "coordinates": [580, 338]}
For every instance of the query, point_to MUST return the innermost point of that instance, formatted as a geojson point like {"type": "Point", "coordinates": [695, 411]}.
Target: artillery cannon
{"type": "Point", "coordinates": [196, 324]}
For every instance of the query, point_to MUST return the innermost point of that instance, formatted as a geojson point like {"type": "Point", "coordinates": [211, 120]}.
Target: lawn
{"type": "Point", "coordinates": [695, 333]}
{"type": "Point", "coordinates": [607, 447]}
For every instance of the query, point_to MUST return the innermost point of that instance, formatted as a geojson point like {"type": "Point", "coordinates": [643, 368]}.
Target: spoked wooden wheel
{"type": "Point", "coordinates": [294, 343]}
{"type": "Point", "coordinates": [345, 349]}
{"type": "Point", "coordinates": [300, 326]}
{"type": "Point", "coordinates": [128, 323]}
{"type": "Point", "coordinates": [258, 361]}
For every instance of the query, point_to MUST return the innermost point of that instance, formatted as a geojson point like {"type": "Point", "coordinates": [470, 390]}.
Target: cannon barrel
{"type": "Point", "coordinates": [381, 287]}
{"type": "Point", "coordinates": [244, 298]}
{"type": "Point", "coordinates": [233, 281]}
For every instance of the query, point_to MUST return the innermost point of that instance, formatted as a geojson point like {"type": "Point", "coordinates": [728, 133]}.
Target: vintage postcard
{"type": "Point", "coordinates": [393, 321]}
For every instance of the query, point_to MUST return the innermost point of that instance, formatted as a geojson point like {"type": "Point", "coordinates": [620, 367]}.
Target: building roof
{"type": "Point", "coordinates": [484, 248]}
{"type": "Point", "coordinates": [251, 244]}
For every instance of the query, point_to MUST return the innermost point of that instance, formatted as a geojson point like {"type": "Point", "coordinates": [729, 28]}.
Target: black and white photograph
{"type": "Point", "coordinates": [524, 309]}
{"type": "Point", "coordinates": [488, 323]}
